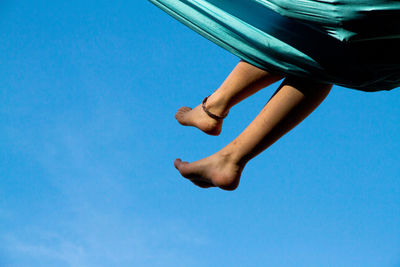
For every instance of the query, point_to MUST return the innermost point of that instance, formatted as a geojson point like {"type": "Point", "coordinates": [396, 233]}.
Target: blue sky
{"type": "Point", "coordinates": [88, 93]}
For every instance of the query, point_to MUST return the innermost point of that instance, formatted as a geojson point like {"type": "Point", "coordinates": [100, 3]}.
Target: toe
{"type": "Point", "coordinates": [180, 165]}
{"type": "Point", "coordinates": [194, 172]}
{"type": "Point", "coordinates": [185, 108]}
{"type": "Point", "coordinates": [180, 115]}
{"type": "Point", "coordinates": [185, 169]}
{"type": "Point", "coordinates": [177, 163]}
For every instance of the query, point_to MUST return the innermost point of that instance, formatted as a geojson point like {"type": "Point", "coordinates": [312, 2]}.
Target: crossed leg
{"type": "Point", "coordinates": [294, 100]}
{"type": "Point", "coordinates": [243, 81]}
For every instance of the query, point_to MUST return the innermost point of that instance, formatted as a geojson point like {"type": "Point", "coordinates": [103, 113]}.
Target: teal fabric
{"type": "Point", "coordinates": [352, 43]}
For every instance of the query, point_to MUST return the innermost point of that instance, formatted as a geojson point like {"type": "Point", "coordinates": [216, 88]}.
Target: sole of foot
{"type": "Point", "coordinates": [211, 172]}
{"type": "Point", "coordinates": [198, 118]}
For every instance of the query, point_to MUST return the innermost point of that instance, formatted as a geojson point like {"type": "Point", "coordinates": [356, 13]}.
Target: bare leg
{"type": "Point", "coordinates": [243, 81]}
{"type": "Point", "coordinates": [294, 100]}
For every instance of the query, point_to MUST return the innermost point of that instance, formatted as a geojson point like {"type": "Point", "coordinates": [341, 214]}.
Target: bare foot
{"type": "Point", "coordinates": [198, 118]}
{"type": "Point", "coordinates": [213, 171]}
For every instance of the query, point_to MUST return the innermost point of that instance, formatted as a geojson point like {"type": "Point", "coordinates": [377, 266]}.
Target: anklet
{"type": "Point", "coordinates": [216, 117]}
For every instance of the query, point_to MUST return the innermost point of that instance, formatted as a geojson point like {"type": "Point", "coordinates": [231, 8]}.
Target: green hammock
{"type": "Point", "coordinates": [351, 43]}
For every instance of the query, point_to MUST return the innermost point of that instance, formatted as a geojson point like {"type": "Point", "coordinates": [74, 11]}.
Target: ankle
{"type": "Point", "coordinates": [217, 103]}
{"type": "Point", "coordinates": [231, 157]}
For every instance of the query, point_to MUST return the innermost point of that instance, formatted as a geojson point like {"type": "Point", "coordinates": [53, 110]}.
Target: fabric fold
{"type": "Point", "coordinates": [350, 43]}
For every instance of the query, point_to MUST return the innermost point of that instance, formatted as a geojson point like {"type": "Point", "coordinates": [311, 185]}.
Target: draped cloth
{"type": "Point", "coordinates": [351, 43]}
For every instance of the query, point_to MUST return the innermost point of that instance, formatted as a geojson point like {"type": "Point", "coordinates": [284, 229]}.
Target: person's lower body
{"type": "Point", "coordinates": [293, 101]}
{"type": "Point", "coordinates": [242, 82]}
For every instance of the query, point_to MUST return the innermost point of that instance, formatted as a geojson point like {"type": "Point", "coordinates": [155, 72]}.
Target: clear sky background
{"type": "Point", "coordinates": [88, 93]}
